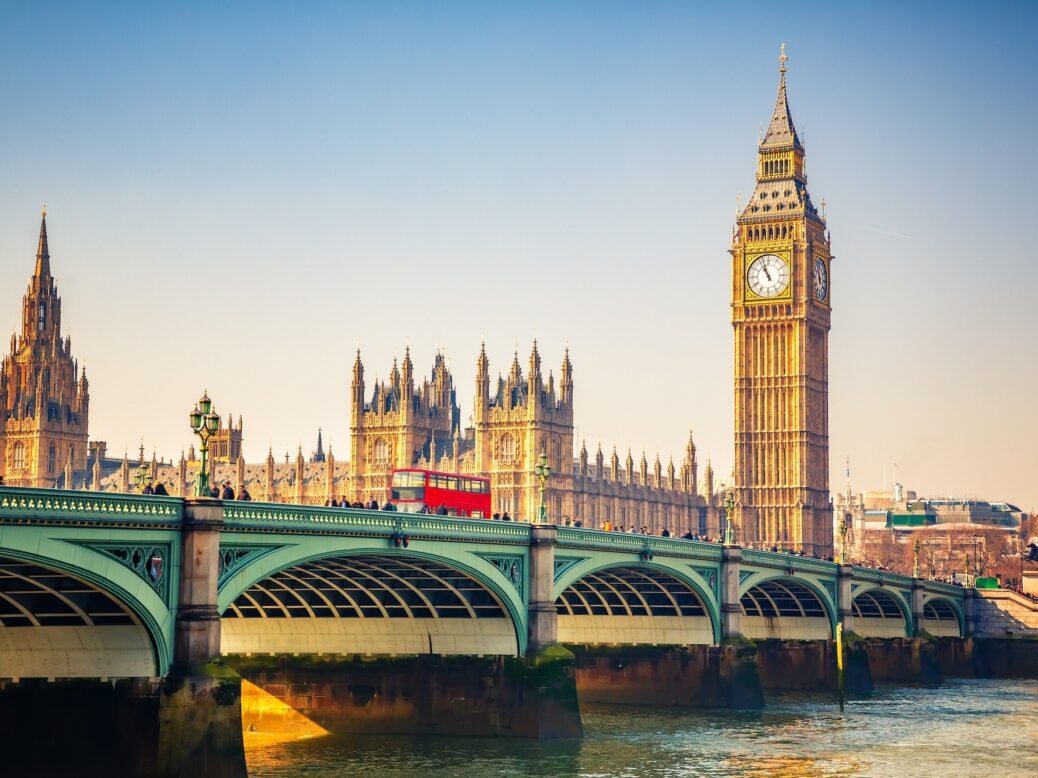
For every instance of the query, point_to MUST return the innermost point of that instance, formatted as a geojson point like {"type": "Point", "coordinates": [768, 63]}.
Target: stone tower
{"type": "Point", "coordinates": [526, 416]}
{"type": "Point", "coordinates": [401, 426]}
{"type": "Point", "coordinates": [780, 315]}
{"type": "Point", "coordinates": [44, 399]}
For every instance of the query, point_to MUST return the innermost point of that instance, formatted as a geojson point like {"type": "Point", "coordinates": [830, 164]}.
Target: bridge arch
{"type": "Point", "coordinates": [786, 608]}
{"type": "Point", "coordinates": [359, 598]}
{"type": "Point", "coordinates": [635, 602]}
{"type": "Point", "coordinates": [942, 616]}
{"type": "Point", "coordinates": [881, 613]}
{"type": "Point", "coordinates": [76, 613]}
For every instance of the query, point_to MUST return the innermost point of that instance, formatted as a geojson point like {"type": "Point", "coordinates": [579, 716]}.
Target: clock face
{"type": "Point", "coordinates": [768, 275]}
{"type": "Point", "coordinates": [821, 280]}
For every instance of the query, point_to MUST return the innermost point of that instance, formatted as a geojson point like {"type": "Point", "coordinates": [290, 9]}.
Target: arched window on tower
{"type": "Point", "coordinates": [50, 459]}
{"type": "Point", "coordinates": [507, 449]}
{"type": "Point", "coordinates": [18, 458]}
{"type": "Point", "coordinates": [381, 452]}
{"type": "Point", "coordinates": [42, 317]}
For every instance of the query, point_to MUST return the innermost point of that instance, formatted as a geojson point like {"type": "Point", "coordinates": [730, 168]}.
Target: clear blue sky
{"type": "Point", "coordinates": [240, 194]}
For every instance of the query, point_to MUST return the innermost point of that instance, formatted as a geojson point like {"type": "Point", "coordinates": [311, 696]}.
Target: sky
{"type": "Point", "coordinates": [241, 195]}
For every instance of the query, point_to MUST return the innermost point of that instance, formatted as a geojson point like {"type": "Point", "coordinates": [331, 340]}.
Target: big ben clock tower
{"type": "Point", "coordinates": [780, 316]}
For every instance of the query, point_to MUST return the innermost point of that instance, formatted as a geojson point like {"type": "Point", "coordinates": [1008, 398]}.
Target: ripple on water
{"type": "Point", "coordinates": [960, 728]}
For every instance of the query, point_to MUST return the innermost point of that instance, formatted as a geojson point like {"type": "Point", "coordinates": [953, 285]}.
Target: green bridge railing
{"type": "Point", "coordinates": [88, 508]}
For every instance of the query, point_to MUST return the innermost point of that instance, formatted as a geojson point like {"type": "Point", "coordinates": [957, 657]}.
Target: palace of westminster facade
{"type": "Point", "coordinates": [780, 316]}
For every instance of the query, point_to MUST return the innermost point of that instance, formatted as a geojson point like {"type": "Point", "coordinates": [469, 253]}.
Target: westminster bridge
{"type": "Point", "coordinates": [177, 597]}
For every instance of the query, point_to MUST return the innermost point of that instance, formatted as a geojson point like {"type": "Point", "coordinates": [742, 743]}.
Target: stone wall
{"type": "Point", "coordinates": [998, 613]}
{"type": "Point", "coordinates": [531, 696]}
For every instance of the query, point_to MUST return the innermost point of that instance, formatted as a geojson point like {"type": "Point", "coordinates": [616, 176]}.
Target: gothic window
{"type": "Point", "coordinates": [50, 459]}
{"type": "Point", "coordinates": [556, 455]}
{"type": "Point", "coordinates": [19, 456]}
{"type": "Point", "coordinates": [42, 317]}
{"type": "Point", "coordinates": [381, 452]}
{"type": "Point", "coordinates": [507, 448]}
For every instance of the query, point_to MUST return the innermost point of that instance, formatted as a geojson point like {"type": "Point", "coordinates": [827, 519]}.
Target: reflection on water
{"type": "Point", "coordinates": [963, 727]}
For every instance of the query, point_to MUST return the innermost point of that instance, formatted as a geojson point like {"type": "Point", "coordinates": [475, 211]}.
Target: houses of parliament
{"type": "Point", "coordinates": [781, 289]}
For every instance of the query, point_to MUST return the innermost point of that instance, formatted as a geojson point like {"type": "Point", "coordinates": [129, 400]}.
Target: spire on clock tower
{"type": "Point", "coordinates": [781, 132]}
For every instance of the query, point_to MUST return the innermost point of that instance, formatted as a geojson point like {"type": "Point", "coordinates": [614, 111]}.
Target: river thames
{"type": "Point", "coordinates": [964, 727]}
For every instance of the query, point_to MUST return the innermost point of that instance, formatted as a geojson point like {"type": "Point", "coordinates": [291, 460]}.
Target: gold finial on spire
{"type": "Point", "coordinates": [823, 210]}
{"type": "Point", "coordinates": [43, 211]}
{"type": "Point", "coordinates": [782, 58]}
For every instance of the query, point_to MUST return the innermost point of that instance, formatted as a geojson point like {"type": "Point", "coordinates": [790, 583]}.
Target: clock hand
{"type": "Point", "coordinates": [765, 269]}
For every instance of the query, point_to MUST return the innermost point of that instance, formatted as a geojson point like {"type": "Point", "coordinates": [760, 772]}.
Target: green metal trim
{"type": "Point", "coordinates": [512, 567]}
{"type": "Point", "coordinates": [59, 506]}
{"type": "Point", "coordinates": [600, 540]}
{"type": "Point", "coordinates": [257, 516]}
{"type": "Point", "coordinates": [136, 557]}
{"type": "Point", "coordinates": [562, 564]}
{"type": "Point", "coordinates": [712, 576]}
{"type": "Point", "coordinates": [234, 557]}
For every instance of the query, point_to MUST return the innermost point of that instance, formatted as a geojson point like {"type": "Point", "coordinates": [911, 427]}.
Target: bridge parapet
{"type": "Point", "coordinates": [600, 540]}
{"type": "Point", "coordinates": [256, 516]}
{"type": "Point", "coordinates": [52, 506]}
{"type": "Point", "coordinates": [780, 561]}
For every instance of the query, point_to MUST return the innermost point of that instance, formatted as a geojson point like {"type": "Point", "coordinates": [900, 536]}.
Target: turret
{"type": "Point", "coordinates": [357, 394]}
{"type": "Point", "coordinates": [583, 460]}
{"type": "Point", "coordinates": [406, 381]}
{"type": "Point", "coordinates": [482, 385]}
{"type": "Point", "coordinates": [566, 381]}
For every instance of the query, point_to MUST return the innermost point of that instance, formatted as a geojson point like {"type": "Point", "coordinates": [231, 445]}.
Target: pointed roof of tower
{"type": "Point", "coordinates": [781, 132]}
{"type": "Point", "coordinates": [319, 453]}
{"type": "Point", "coordinates": [42, 251]}
{"type": "Point", "coordinates": [482, 363]}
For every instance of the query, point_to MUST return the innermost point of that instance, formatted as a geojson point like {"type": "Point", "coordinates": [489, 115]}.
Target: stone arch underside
{"type": "Point", "coordinates": [940, 618]}
{"type": "Point", "coordinates": [54, 625]}
{"type": "Point", "coordinates": [626, 605]}
{"type": "Point", "coordinates": [785, 610]}
{"type": "Point", "coordinates": [878, 614]}
{"type": "Point", "coordinates": [368, 604]}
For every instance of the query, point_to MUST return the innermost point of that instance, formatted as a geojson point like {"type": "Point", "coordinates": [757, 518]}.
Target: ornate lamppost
{"type": "Point", "coordinates": [729, 508]}
{"type": "Point", "coordinates": [915, 559]}
{"type": "Point", "coordinates": [977, 569]}
{"type": "Point", "coordinates": [843, 542]}
{"type": "Point", "coordinates": [142, 477]}
{"type": "Point", "coordinates": [204, 423]}
{"type": "Point", "coordinates": [543, 471]}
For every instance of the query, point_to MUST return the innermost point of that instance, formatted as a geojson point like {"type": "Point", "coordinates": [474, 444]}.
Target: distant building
{"type": "Point", "coordinates": [954, 535]}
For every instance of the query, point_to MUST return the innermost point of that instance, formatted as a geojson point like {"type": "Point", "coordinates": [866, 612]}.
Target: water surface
{"type": "Point", "coordinates": [964, 727]}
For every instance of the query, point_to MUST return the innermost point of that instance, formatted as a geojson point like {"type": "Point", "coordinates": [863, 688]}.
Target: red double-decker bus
{"type": "Point", "coordinates": [413, 490]}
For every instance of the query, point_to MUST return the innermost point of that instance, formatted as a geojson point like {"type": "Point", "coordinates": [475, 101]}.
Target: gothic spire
{"type": "Point", "coordinates": [781, 132]}
{"type": "Point", "coordinates": [42, 251]}
{"type": "Point", "coordinates": [319, 453]}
